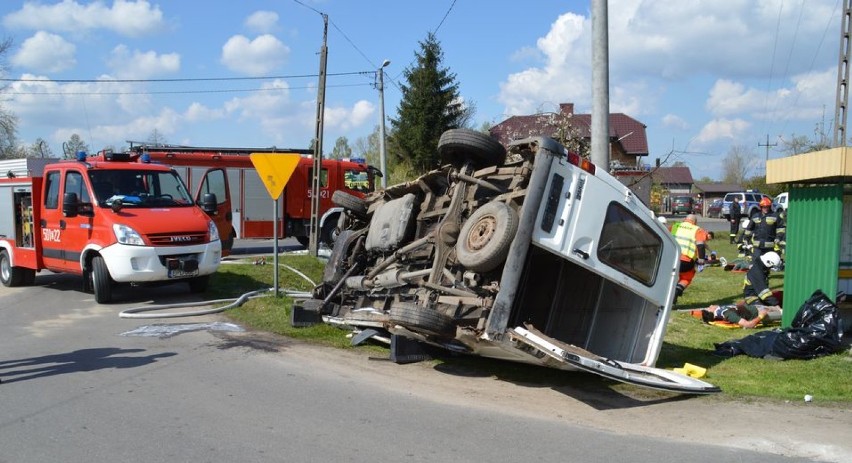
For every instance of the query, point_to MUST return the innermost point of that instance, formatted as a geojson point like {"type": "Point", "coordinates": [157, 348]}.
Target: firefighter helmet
{"type": "Point", "coordinates": [765, 202]}
{"type": "Point", "coordinates": [771, 259]}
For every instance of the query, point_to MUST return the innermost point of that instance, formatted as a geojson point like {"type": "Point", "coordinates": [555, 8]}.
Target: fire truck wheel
{"type": "Point", "coordinates": [29, 277]}
{"type": "Point", "coordinates": [9, 275]}
{"type": "Point", "coordinates": [101, 280]}
{"type": "Point", "coordinates": [459, 145]}
{"type": "Point", "coordinates": [304, 241]}
{"type": "Point", "coordinates": [485, 237]}
{"type": "Point", "coordinates": [198, 284]}
{"type": "Point", "coordinates": [350, 202]}
{"type": "Point", "coordinates": [421, 319]}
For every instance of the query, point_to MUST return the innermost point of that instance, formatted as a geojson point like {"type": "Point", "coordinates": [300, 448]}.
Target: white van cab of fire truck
{"type": "Point", "coordinates": [111, 218]}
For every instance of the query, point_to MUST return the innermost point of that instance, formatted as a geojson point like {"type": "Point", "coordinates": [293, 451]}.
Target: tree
{"type": "Point", "coordinates": [156, 138]}
{"type": "Point", "coordinates": [73, 145]}
{"type": "Point", "coordinates": [429, 106]}
{"type": "Point", "coordinates": [8, 121]}
{"type": "Point", "coordinates": [367, 148]}
{"type": "Point", "coordinates": [739, 162]}
{"type": "Point", "coordinates": [40, 149]}
{"type": "Point", "coordinates": [801, 144]}
{"type": "Point", "coordinates": [341, 149]}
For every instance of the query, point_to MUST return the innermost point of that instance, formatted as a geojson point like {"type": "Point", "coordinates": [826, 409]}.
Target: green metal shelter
{"type": "Point", "coordinates": [819, 224]}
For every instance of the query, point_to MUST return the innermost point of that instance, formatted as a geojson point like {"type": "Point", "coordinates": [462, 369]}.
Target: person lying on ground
{"type": "Point", "coordinates": [745, 315]}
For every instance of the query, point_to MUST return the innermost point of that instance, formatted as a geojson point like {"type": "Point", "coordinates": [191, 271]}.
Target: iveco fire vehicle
{"type": "Point", "coordinates": [251, 214]}
{"type": "Point", "coordinates": [111, 218]}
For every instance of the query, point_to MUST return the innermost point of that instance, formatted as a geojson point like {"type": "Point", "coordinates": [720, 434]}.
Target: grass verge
{"type": "Point", "coordinates": [827, 379]}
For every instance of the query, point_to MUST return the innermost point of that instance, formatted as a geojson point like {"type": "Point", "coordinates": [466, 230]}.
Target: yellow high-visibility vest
{"type": "Point", "coordinates": [685, 236]}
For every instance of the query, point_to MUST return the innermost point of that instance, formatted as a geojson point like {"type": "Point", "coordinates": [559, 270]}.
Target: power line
{"type": "Point", "coordinates": [182, 92]}
{"type": "Point", "coordinates": [444, 18]}
{"type": "Point", "coordinates": [188, 79]}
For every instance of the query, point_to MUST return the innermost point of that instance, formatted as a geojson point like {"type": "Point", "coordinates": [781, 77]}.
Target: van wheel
{"type": "Point", "coordinates": [29, 277]}
{"type": "Point", "coordinates": [329, 231]}
{"type": "Point", "coordinates": [421, 319]}
{"type": "Point", "coordinates": [459, 145]}
{"type": "Point", "coordinates": [228, 243]}
{"type": "Point", "coordinates": [101, 281]}
{"type": "Point", "coordinates": [198, 284]}
{"type": "Point", "coordinates": [350, 202]}
{"type": "Point", "coordinates": [486, 236]}
{"type": "Point", "coordinates": [9, 275]}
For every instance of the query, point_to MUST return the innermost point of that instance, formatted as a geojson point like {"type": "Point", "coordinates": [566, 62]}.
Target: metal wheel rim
{"type": "Point", "coordinates": [481, 233]}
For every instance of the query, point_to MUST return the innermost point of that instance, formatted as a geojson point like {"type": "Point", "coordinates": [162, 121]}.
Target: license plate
{"type": "Point", "coordinates": [182, 273]}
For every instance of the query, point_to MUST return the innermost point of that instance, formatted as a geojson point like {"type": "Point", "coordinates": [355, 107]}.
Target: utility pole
{"type": "Point", "coordinates": [600, 85]}
{"type": "Point", "coordinates": [313, 245]}
{"type": "Point", "coordinates": [843, 77]}
{"type": "Point", "coordinates": [382, 153]}
{"type": "Point", "coordinates": [767, 145]}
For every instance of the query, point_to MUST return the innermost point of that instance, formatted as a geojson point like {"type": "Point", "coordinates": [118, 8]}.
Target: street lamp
{"type": "Point", "coordinates": [382, 154]}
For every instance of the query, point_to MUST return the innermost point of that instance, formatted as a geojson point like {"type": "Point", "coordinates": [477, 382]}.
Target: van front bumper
{"type": "Point", "coordinates": [131, 264]}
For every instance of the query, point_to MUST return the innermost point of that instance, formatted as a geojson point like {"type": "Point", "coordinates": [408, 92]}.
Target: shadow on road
{"type": "Point", "coordinates": [12, 371]}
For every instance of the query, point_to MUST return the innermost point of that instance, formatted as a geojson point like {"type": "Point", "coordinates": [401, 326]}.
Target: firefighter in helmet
{"type": "Point", "coordinates": [756, 284]}
{"type": "Point", "coordinates": [765, 231]}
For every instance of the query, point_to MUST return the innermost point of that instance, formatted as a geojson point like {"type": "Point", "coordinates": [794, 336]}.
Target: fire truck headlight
{"type": "Point", "coordinates": [212, 231]}
{"type": "Point", "coordinates": [127, 235]}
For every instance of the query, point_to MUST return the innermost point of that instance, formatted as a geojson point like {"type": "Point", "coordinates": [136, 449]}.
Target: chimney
{"type": "Point", "coordinates": [566, 108]}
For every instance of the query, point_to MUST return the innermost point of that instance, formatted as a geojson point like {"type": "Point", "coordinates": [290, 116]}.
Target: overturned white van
{"type": "Point", "coordinates": [531, 255]}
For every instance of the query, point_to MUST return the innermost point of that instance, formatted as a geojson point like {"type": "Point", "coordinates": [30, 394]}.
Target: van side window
{"type": "Point", "coordinates": [628, 245]}
{"type": "Point", "coordinates": [214, 182]}
{"type": "Point", "coordinates": [74, 184]}
{"type": "Point", "coordinates": [51, 186]}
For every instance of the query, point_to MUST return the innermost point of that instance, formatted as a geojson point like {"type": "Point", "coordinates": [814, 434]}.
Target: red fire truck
{"type": "Point", "coordinates": [111, 218]}
{"type": "Point", "coordinates": [251, 211]}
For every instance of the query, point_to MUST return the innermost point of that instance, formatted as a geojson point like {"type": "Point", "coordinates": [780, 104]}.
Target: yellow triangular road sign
{"type": "Point", "coordinates": [274, 170]}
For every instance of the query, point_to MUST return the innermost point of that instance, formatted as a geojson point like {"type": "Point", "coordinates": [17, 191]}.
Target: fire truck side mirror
{"type": "Point", "coordinates": [70, 205]}
{"type": "Point", "coordinates": [209, 203]}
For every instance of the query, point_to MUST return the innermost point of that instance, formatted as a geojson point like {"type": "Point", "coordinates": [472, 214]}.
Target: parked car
{"type": "Point", "coordinates": [698, 206]}
{"type": "Point", "coordinates": [780, 202]}
{"type": "Point", "coordinates": [533, 255]}
{"type": "Point", "coordinates": [682, 205]}
{"type": "Point", "coordinates": [715, 208]}
{"type": "Point", "coordinates": [749, 208]}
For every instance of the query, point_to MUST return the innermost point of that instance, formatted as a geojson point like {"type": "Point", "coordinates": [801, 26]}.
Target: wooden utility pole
{"type": "Point", "coordinates": [316, 190]}
{"type": "Point", "coordinates": [767, 145]}
{"type": "Point", "coordinates": [843, 77]}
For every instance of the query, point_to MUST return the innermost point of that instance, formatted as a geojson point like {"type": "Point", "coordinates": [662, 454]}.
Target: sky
{"type": "Point", "coordinates": [703, 75]}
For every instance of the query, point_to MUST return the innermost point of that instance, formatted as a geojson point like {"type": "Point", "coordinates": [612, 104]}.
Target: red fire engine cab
{"type": "Point", "coordinates": [250, 211]}
{"type": "Point", "coordinates": [111, 218]}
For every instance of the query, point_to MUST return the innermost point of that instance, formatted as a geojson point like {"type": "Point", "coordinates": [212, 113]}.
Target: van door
{"type": "Point", "coordinates": [52, 223]}
{"type": "Point", "coordinates": [216, 181]}
{"type": "Point", "coordinates": [655, 378]}
{"type": "Point", "coordinates": [77, 230]}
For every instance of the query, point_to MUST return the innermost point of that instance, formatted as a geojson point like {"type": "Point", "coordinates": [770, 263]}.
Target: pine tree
{"type": "Point", "coordinates": [429, 106]}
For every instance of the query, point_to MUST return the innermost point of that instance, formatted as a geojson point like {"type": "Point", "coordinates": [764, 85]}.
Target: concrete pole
{"type": "Point", "coordinates": [382, 153]}
{"type": "Point", "coordinates": [313, 245]}
{"type": "Point", "coordinates": [600, 85]}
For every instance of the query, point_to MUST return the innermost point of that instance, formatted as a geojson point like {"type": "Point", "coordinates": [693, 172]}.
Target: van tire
{"type": "Point", "coordinates": [350, 202]}
{"type": "Point", "coordinates": [9, 275]}
{"type": "Point", "coordinates": [456, 146]}
{"type": "Point", "coordinates": [101, 280]}
{"type": "Point", "coordinates": [486, 236]}
{"type": "Point", "coordinates": [329, 231]}
{"type": "Point", "coordinates": [421, 319]}
{"type": "Point", "coordinates": [198, 284]}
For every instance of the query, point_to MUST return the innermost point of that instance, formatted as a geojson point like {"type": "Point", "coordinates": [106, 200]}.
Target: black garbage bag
{"type": "Point", "coordinates": [816, 330]}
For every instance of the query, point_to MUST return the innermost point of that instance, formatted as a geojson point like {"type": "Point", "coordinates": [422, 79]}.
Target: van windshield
{"type": "Point", "coordinates": [139, 188]}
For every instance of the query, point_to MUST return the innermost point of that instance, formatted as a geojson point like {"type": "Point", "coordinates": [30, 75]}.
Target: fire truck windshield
{"type": "Point", "coordinates": [139, 188]}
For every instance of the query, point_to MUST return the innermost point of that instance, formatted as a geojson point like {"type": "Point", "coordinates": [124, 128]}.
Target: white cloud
{"type": "Point", "coordinates": [45, 52]}
{"type": "Point", "coordinates": [262, 21]}
{"type": "Point", "coordinates": [125, 17]}
{"type": "Point", "coordinates": [142, 65]}
{"type": "Point", "coordinates": [345, 118]}
{"type": "Point", "coordinates": [254, 57]}
{"type": "Point", "coordinates": [198, 112]}
{"type": "Point", "coordinates": [722, 129]}
{"type": "Point", "coordinates": [675, 122]}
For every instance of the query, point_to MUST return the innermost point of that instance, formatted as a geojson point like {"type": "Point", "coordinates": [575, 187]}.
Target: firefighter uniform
{"type": "Point", "coordinates": [765, 232]}
{"type": "Point", "coordinates": [756, 285]}
{"type": "Point", "coordinates": [691, 238]}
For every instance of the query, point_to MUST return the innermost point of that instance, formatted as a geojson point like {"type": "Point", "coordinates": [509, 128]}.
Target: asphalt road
{"type": "Point", "coordinates": [79, 386]}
